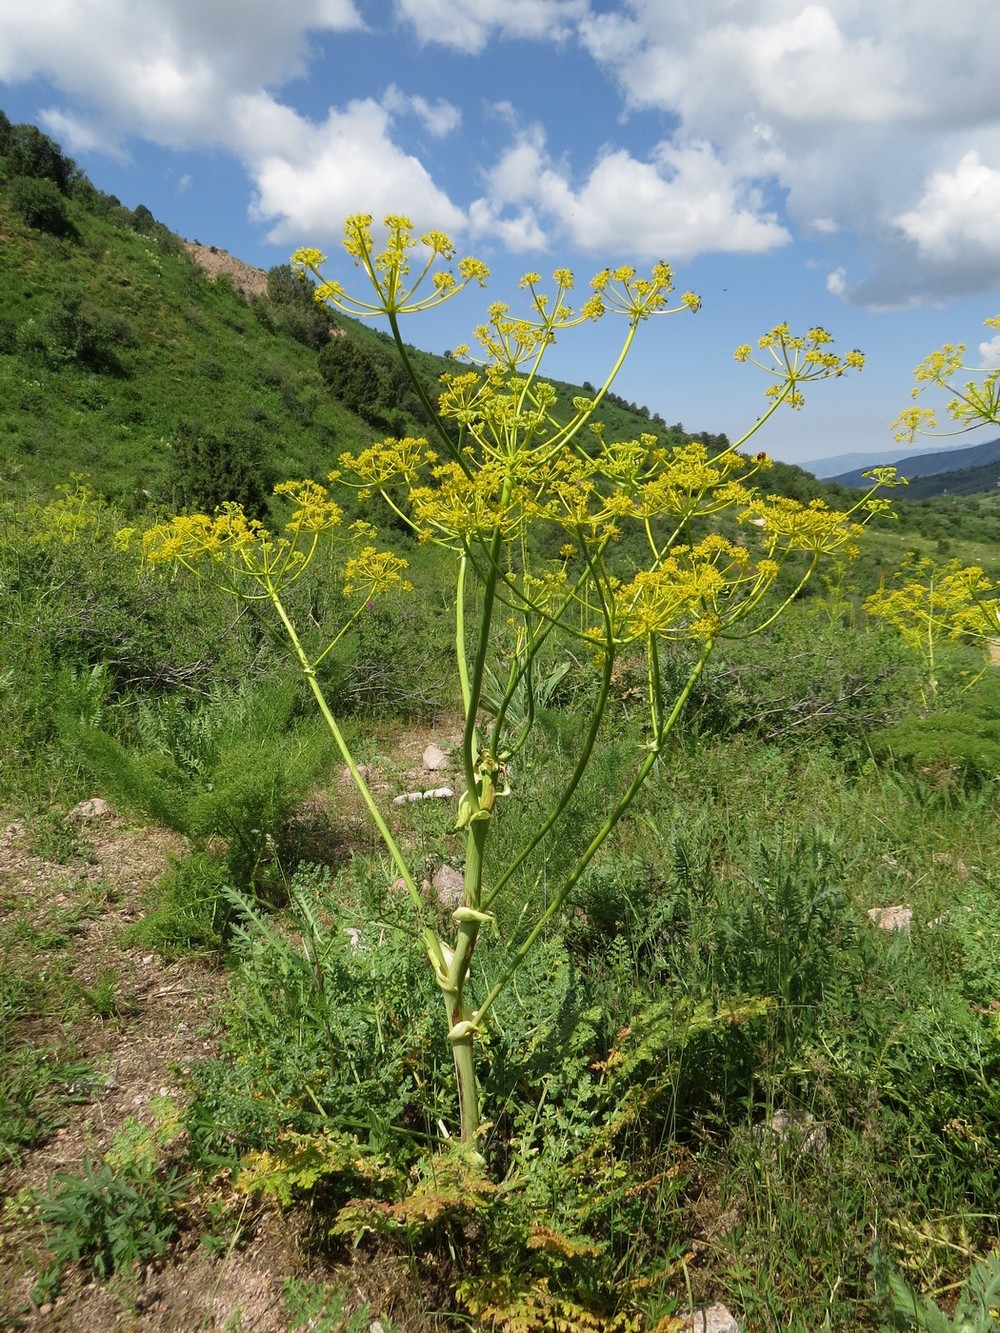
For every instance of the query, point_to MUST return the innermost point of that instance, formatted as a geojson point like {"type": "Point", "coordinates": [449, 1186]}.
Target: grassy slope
{"type": "Point", "coordinates": [188, 350]}
{"type": "Point", "coordinates": [185, 350]}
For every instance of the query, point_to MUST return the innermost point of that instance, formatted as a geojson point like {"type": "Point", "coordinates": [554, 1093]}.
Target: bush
{"type": "Point", "coordinates": [229, 768]}
{"type": "Point", "coordinates": [210, 468]}
{"type": "Point", "coordinates": [962, 741]}
{"type": "Point", "coordinates": [37, 202]}
{"type": "Point", "coordinates": [31, 153]}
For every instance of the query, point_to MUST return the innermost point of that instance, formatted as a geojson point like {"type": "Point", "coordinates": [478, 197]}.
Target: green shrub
{"type": "Point", "coordinates": [330, 1026]}
{"type": "Point", "coordinates": [209, 468]}
{"type": "Point", "coordinates": [110, 1220]}
{"type": "Point", "coordinates": [963, 739]}
{"type": "Point", "coordinates": [230, 767]}
{"type": "Point", "coordinates": [39, 203]}
{"type": "Point", "coordinates": [191, 908]}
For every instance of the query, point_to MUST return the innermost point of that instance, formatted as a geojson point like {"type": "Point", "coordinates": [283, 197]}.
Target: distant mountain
{"type": "Point", "coordinates": [926, 465]}
{"type": "Point", "coordinates": [840, 464]}
{"type": "Point", "coordinates": [961, 481]}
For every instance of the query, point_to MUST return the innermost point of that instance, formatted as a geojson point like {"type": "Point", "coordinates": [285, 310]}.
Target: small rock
{"type": "Point", "coordinates": [435, 759]}
{"type": "Point", "coordinates": [449, 885]}
{"type": "Point", "coordinates": [95, 808]}
{"type": "Point", "coordinates": [946, 859]}
{"type": "Point", "coordinates": [711, 1319]}
{"type": "Point", "coordinates": [46, 1308]}
{"type": "Point", "coordinates": [797, 1128]}
{"type": "Point", "coordinates": [897, 918]}
{"type": "Point", "coordinates": [436, 793]}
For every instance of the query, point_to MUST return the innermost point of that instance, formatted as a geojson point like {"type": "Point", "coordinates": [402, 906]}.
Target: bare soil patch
{"type": "Point", "coordinates": [66, 897]}
{"type": "Point", "coordinates": [163, 1024]}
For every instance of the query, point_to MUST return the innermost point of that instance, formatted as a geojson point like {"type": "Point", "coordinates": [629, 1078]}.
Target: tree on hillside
{"type": "Point", "coordinates": [38, 202]}
{"type": "Point", "coordinates": [290, 309]}
{"type": "Point", "coordinates": [210, 468]}
{"type": "Point", "coordinates": [29, 152]}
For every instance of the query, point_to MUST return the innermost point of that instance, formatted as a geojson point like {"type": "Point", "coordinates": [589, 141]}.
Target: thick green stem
{"type": "Point", "coordinates": [463, 1049]}
{"type": "Point", "coordinates": [461, 1028]}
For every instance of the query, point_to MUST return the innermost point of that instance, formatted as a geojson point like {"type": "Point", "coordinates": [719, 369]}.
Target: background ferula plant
{"type": "Point", "coordinates": [972, 403]}
{"type": "Point", "coordinates": [504, 479]}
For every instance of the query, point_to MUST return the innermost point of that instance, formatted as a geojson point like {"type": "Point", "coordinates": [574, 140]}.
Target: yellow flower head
{"type": "Point", "coordinates": [372, 572]}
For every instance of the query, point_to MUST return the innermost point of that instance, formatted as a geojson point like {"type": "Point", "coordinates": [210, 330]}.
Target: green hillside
{"type": "Point", "coordinates": [962, 481]}
{"type": "Point", "coordinates": [121, 359]}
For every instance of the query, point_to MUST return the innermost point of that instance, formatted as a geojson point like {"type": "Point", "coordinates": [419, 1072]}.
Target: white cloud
{"type": "Point", "coordinates": [873, 123]}
{"type": "Point", "coordinates": [677, 203]}
{"type": "Point", "coordinates": [77, 134]}
{"type": "Point", "coordinates": [347, 165]}
{"type": "Point", "coordinates": [842, 106]}
{"type": "Point", "coordinates": [165, 70]}
{"type": "Point", "coordinates": [836, 282]}
{"type": "Point", "coordinates": [187, 73]}
{"type": "Point", "coordinates": [989, 353]}
{"type": "Point", "coordinates": [958, 212]}
{"type": "Point", "coordinates": [439, 118]}
{"type": "Point", "coordinates": [467, 25]}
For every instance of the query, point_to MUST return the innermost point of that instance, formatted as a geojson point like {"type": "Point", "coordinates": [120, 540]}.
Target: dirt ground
{"type": "Point", "coordinates": [164, 1023]}
{"type": "Point", "coordinates": [96, 884]}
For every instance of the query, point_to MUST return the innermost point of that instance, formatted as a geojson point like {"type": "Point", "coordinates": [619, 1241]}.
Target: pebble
{"type": "Point", "coordinates": [436, 793]}
{"type": "Point", "coordinates": [435, 758]}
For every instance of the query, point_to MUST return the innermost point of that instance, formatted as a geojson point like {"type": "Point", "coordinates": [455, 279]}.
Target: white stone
{"type": "Point", "coordinates": [435, 759]}
{"type": "Point", "coordinates": [711, 1319]}
{"type": "Point", "coordinates": [435, 793]}
{"type": "Point", "coordinates": [891, 918]}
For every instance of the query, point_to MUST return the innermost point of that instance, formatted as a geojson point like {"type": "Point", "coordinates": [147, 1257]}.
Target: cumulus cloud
{"type": "Point", "coordinates": [467, 25]}
{"type": "Point", "coordinates": [165, 70]}
{"type": "Point", "coordinates": [348, 164]}
{"type": "Point", "coordinates": [439, 117]}
{"type": "Point", "coordinates": [989, 353]}
{"type": "Point", "coordinates": [676, 203]}
{"type": "Point", "coordinates": [189, 73]}
{"type": "Point", "coordinates": [842, 107]}
{"type": "Point", "coordinates": [828, 119]}
{"type": "Point", "coordinates": [957, 213]}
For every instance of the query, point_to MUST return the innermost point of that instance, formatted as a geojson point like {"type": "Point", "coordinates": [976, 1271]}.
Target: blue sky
{"type": "Point", "coordinates": [831, 163]}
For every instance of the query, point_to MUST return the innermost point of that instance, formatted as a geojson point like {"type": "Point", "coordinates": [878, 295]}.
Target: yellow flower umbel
{"type": "Point", "coordinates": [239, 554]}
{"type": "Point", "coordinates": [794, 359]}
{"type": "Point", "coordinates": [974, 403]}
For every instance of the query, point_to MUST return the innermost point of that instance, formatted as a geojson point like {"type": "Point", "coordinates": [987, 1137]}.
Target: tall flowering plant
{"type": "Point", "coordinates": [504, 476]}
{"type": "Point", "coordinates": [929, 603]}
